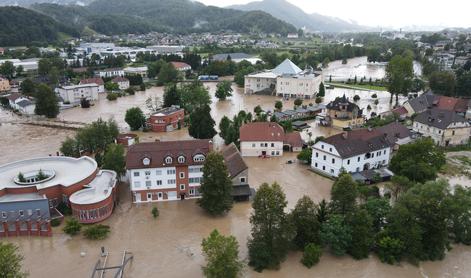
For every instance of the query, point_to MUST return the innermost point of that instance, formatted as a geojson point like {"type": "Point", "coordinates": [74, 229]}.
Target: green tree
{"type": "Point", "coordinates": [399, 76]}
{"type": "Point", "coordinates": [321, 90]}
{"type": "Point", "coordinates": [167, 74]}
{"type": "Point", "coordinates": [304, 219]}
{"type": "Point", "coordinates": [318, 100]}
{"type": "Point", "coordinates": [378, 209]}
{"type": "Point", "coordinates": [257, 110]}
{"type": "Point", "coordinates": [114, 159]}
{"type": "Point", "coordinates": [305, 155]}
{"type": "Point", "coordinates": [224, 90]}
{"type": "Point", "coordinates": [97, 232]}
{"type": "Point", "coordinates": [155, 212]}
{"type": "Point", "coordinates": [312, 254]}
{"type": "Point", "coordinates": [389, 249]}
{"type": "Point", "coordinates": [10, 261]}
{"type": "Point", "coordinates": [135, 118]}
{"type": "Point", "coordinates": [69, 148]}
{"type": "Point", "coordinates": [46, 102]}
{"type": "Point", "coordinates": [443, 83]}
{"type": "Point", "coordinates": [278, 105]}
{"type": "Point", "coordinates": [224, 126]}
{"type": "Point", "coordinates": [271, 230]}
{"type": "Point", "coordinates": [111, 86]}
{"type": "Point", "coordinates": [298, 102]}
{"type": "Point", "coordinates": [460, 217]}
{"type": "Point", "coordinates": [72, 227]}
{"type": "Point", "coordinates": [171, 95]}
{"type": "Point", "coordinates": [7, 69]}
{"type": "Point", "coordinates": [222, 256]}
{"type": "Point", "coordinates": [419, 161]}
{"type": "Point", "coordinates": [28, 87]}
{"type": "Point", "coordinates": [336, 234]}
{"type": "Point", "coordinates": [343, 194]}
{"type": "Point", "coordinates": [193, 96]}
{"type": "Point", "coordinates": [201, 123]}
{"type": "Point", "coordinates": [361, 227]}
{"type": "Point", "coordinates": [216, 187]}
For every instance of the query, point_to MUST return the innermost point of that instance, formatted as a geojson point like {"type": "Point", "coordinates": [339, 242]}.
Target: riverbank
{"type": "Point", "coordinates": [362, 87]}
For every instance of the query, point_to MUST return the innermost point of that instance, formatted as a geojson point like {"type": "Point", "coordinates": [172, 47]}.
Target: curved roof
{"type": "Point", "coordinates": [68, 170]}
{"type": "Point", "coordinates": [98, 190]}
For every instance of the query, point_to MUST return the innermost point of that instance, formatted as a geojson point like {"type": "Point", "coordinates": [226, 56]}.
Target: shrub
{"type": "Point", "coordinates": [72, 227]}
{"type": "Point", "coordinates": [142, 87]}
{"type": "Point", "coordinates": [55, 222]}
{"type": "Point", "coordinates": [390, 250]}
{"type": "Point", "coordinates": [130, 91]}
{"type": "Point", "coordinates": [112, 96]}
{"type": "Point", "coordinates": [155, 212]}
{"type": "Point", "coordinates": [376, 102]}
{"type": "Point", "coordinates": [368, 107]}
{"type": "Point", "coordinates": [374, 96]}
{"type": "Point", "coordinates": [311, 255]}
{"type": "Point", "coordinates": [64, 209]}
{"type": "Point", "coordinates": [356, 98]}
{"type": "Point", "coordinates": [318, 100]}
{"type": "Point", "coordinates": [96, 232]}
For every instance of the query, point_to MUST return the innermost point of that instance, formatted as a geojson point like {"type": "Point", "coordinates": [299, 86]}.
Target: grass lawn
{"type": "Point", "coordinates": [365, 87]}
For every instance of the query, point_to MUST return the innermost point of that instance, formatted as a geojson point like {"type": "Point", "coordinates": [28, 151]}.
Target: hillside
{"type": "Point", "coordinates": [20, 26]}
{"type": "Point", "coordinates": [25, 3]}
{"type": "Point", "coordinates": [292, 14]}
{"type": "Point", "coordinates": [182, 16]}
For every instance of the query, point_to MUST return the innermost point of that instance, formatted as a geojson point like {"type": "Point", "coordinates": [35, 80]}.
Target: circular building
{"type": "Point", "coordinates": [30, 190]}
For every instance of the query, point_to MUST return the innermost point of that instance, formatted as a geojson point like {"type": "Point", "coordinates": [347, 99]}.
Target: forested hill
{"type": "Point", "coordinates": [20, 26]}
{"type": "Point", "coordinates": [182, 16]}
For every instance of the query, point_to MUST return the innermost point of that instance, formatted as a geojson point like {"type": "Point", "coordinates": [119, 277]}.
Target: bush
{"type": "Point", "coordinates": [374, 96]}
{"type": "Point", "coordinates": [130, 91]}
{"type": "Point", "coordinates": [55, 222]}
{"type": "Point", "coordinates": [356, 98]}
{"type": "Point", "coordinates": [64, 209]}
{"type": "Point", "coordinates": [96, 232]}
{"type": "Point", "coordinates": [318, 100]}
{"type": "Point", "coordinates": [155, 212]}
{"type": "Point", "coordinates": [376, 102]}
{"type": "Point", "coordinates": [142, 87]}
{"type": "Point", "coordinates": [311, 255]}
{"type": "Point", "coordinates": [390, 250]}
{"type": "Point", "coordinates": [112, 96]}
{"type": "Point", "coordinates": [72, 227]}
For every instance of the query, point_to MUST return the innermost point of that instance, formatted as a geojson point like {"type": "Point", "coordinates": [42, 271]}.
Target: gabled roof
{"type": "Point", "coordinates": [287, 68]}
{"type": "Point", "coordinates": [423, 102]}
{"type": "Point", "coordinates": [294, 139]}
{"type": "Point", "coordinates": [439, 118]}
{"type": "Point", "coordinates": [262, 131]}
{"type": "Point", "coordinates": [23, 103]}
{"type": "Point", "coordinates": [394, 131]}
{"type": "Point", "coordinates": [120, 79]}
{"type": "Point", "coordinates": [96, 80]}
{"type": "Point", "coordinates": [343, 101]}
{"type": "Point", "coordinates": [234, 162]}
{"type": "Point", "coordinates": [180, 65]}
{"type": "Point", "coordinates": [14, 96]}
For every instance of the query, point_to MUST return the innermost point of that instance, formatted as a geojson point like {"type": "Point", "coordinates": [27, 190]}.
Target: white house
{"type": "Point", "coordinates": [142, 71]}
{"type": "Point", "coordinates": [353, 152]}
{"type": "Point", "coordinates": [21, 103]}
{"type": "Point", "coordinates": [261, 139]}
{"type": "Point", "coordinates": [95, 80]}
{"type": "Point", "coordinates": [109, 73]}
{"type": "Point", "coordinates": [122, 82]}
{"type": "Point", "coordinates": [286, 80]}
{"type": "Point", "coordinates": [74, 94]}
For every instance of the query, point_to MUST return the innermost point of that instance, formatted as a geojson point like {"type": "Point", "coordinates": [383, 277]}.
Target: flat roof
{"type": "Point", "coordinates": [98, 190]}
{"type": "Point", "coordinates": [72, 87]}
{"type": "Point", "coordinates": [21, 197]}
{"type": "Point", "coordinates": [67, 170]}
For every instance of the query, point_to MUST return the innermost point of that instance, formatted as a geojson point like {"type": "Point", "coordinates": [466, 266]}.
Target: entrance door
{"type": "Point", "coordinates": [159, 196]}
{"type": "Point", "coordinates": [149, 197]}
{"type": "Point", "coordinates": [264, 153]}
{"type": "Point", "coordinates": [137, 196]}
{"type": "Point", "coordinates": [182, 196]}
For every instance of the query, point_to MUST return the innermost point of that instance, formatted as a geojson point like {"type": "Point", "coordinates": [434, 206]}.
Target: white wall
{"type": "Point", "coordinates": [256, 148]}
{"type": "Point", "coordinates": [255, 84]}
{"type": "Point", "coordinates": [156, 174]}
{"type": "Point", "coordinates": [298, 87]}
{"type": "Point", "coordinates": [74, 95]}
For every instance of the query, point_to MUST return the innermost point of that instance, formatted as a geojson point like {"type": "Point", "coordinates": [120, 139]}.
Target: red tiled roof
{"type": "Point", "coordinates": [294, 139]}
{"type": "Point", "coordinates": [400, 111]}
{"type": "Point", "coordinates": [96, 80]}
{"type": "Point", "coordinates": [447, 103]}
{"type": "Point", "coordinates": [158, 151]}
{"type": "Point", "coordinates": [261, 131]}
{"type": "Point", "coordinates": [180, 65]}
{"type": "Point", "coordinates": [120, 79]}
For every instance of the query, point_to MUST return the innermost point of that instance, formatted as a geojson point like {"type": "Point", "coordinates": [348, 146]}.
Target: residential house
{"type": "Point", "coordinates": [265, 139]}
{"type": "Point", "coordinates": [167, 119]}
{"type": "Point", "coordinates": [74, 94]}
{"type": "Point", "coordinates": [166, 170]}
{"type": "Point", "coordinates": [180, 66]}
{"type": "Point", "coordinates": [429, 101]}
{"type": "Point", "coordinates": [446, 128]}
{"type": "Point", "coordinates": [341, 113]}
{"type": "Point", "coordinates": [286, 80]}
{"type": "Point", "coordinates": [95, 80]}
{"type": "Point", "coordinates": [21, 103]}
{"type": "Point", "coordinates": [109, 73]}
{"type": "Point", "coordinates": [142, 71]}
{"type": "Point", "coordinates": [4, 85]}
{"type": "Point", "coordinates": [238, 171]}
{"type": "Point", "coordinates": [123, 82]}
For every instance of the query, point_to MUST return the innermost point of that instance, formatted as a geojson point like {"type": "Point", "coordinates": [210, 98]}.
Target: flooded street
{"type": "Point", "coordinates": [170, 245]}
{"type": "Point", "coordinates": [361, 68]}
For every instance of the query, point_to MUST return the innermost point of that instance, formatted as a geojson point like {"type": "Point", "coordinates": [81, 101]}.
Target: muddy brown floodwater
{"type": "Point", "coordinates": [170, 245]}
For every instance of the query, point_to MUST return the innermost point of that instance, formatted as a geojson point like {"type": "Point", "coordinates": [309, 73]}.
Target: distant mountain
{"type": "Point", "coordinates": [20, 26]}
{"type": "Point", "coordinates": [183, 16]}
{"type": "Point", "coordinates": [292, 14]}
{"type": "Point", "coordinates": [25, 3]}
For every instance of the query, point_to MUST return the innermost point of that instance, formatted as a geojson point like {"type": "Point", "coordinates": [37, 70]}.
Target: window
{"type": "Point", "coordinates": [159, 182]}
{"type": "Point", "coordinates": [198, 158]}
{"type": "Point", "coordinates": [158, 172]}
{"type": "Point", "coordinates": [323, 168]}
{"type": "Point", "coordinates": [192, 192]}
{"type": "Point", "coordinates": [171, 181]}
{"type": "Point", "coordinates": [272, 153]}
{"type": "Point", "coordinates": [242, 179]}
{"type": "Point", "coordinates": [30, 212]}
{"type": "Point", "coordinates": [136, 174]}
{"type": "Point", "coordinates": [317, 154]}
{"type": "Point", "coordinates": [272, 144]}
{"type": "Point", "coordinates": [181, 159]}
{"type": "Point", "coordinates": [147, 173]}
{"type": "Point", "coordinates": [330, 149]}
{"type": "Point", "coordinates": [159, 195]}
{"type": "Point", "coordinates": [333, 160]}
{"type": "Point", "coordinates": [171, 172]}
{"type": "Point", "coordinates": [358, 159]}
{"type": "Point", "coordinates": [348, 162]}
{"type": "Point", "coordinates": [384, 152]}
{"type": "Point", "coordinates": [22, 213]}
{"type": "Point", "coordinates": [4, 214]}
{"type": "Point", "coordinates": [453, 133]}
{"type": "Point", "coordinates": [149, 196]}
{"type": "Point", "coordinates": [146, 161]}
{"type": "Point", "coordinates": [194, 180]}
{"type": "Point", "coordinates": [315, 165]}
{"type": "Point", "coordinates": [253, 145]}
{"type": "Point", "coordinates": [384, 162]}
{"type": "Point", "coordinates": [182, 175]}
{"type": "Point", "coordinates": [325, 157]}
{"type": "Point", "coordinates": [322, 146]}
{"type": "Point", "coordinates": [261, 144]}
{"type": "Point", "coordinates": [277, 153]}
{"type": "Point", "coordinates": [148, 183]}
{"type": "Point", "coordinates": [168, 160]}
{"type": "Point", "coordinates": [137, 184]}
{"type": "Point", "coordinates": [182, 187]}
{"type": "Point", "coordinates": [332, 171]}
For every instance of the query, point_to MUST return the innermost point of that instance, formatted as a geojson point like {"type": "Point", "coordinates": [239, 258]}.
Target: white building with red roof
{"type": "Point", "coordinates": [122, 82]}
{"type": "Point", "coordinates": [95, 80]}
{"type": "Point", "coordinates": [180, 66]}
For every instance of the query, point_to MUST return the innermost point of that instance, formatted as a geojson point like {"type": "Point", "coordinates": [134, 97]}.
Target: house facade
{"type": "Point", "coordinates": [238, 171]}
{"type": "Point", "coordinates": [341, 113]}
{"type": "Point", "coordinates": [96, 80]}
{"type": "Point", "coordinates": [166, 170]}
{"type": "Point", "coordinates": [446, 128]}
{"type": "Point", "coordinates": [21, 103]}
{"type": "Point", "coordinates": [74, 94]}
{"type": "Point", "coordinates": [167, 119]}
{"type": "Point", "coordinates": [4, 85]}
{"type": "Point", "coordinates": [109, 73]}
{"type": "Point", "coordinates": [261, 139]}
{"type": "Point", "coordinates": [353, 152]}
{"type": "Point", "coordinates": [123, 82]}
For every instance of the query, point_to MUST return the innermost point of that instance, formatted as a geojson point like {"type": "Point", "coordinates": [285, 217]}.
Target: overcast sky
{"type": "Point", "coordinates": [393, 13]}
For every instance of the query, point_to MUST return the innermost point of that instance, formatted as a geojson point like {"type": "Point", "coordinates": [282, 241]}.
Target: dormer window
{"type": "Point", "coordinates": [168, 160]}
{"type": "Point", "coordinates": [146, 161]}
{"type": "Point", "coordinates": [198, 158]}
{"type": "Point", "coordinates": [181, 159]}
